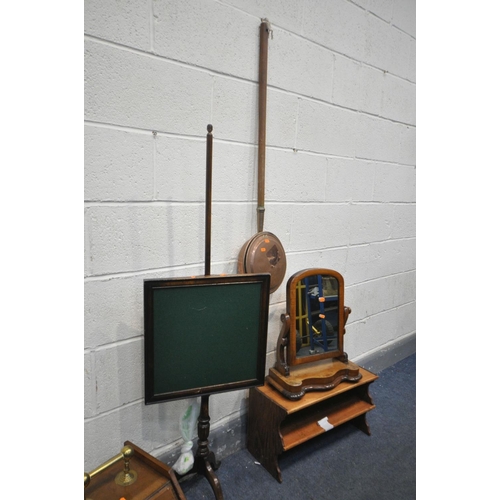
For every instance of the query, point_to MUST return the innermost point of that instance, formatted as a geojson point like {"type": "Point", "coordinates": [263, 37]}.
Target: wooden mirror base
{"type": "Point", "coordinates": [318, 376]}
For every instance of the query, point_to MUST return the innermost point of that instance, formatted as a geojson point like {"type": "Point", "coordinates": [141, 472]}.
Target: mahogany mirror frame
{"type": "Point", "coordinates": [286, 347]}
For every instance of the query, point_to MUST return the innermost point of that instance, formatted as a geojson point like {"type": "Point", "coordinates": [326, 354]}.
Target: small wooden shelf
{"type": "Point", "coordinates": [300, 427]}
{"type": "Point", "coordinates": [277, 424]}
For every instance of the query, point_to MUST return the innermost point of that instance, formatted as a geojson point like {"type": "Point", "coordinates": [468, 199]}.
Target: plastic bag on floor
{"type": "Point", "coordinates": [188, 424]}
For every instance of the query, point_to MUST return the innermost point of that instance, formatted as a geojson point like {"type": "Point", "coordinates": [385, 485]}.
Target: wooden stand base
{"type": "Point", "coordinates": [205, 462]}
{"type": "Point", "coordinates": [277, 424]}
{"type": "Point", "coordinates": [319, 376]}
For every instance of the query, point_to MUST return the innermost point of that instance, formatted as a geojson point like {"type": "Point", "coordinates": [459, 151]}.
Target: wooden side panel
{"type": "Point", "coordinates": [264, 440]}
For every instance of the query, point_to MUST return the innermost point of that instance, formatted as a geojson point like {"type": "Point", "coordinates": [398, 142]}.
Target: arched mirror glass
{"type": "Point", "coordinates": [316, 315]}
{"type": "Point", "coordinates": [315, 309]}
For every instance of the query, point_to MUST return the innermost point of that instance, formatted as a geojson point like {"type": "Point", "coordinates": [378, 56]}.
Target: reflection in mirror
{"type": "Point", "coordinates": [317, 315]}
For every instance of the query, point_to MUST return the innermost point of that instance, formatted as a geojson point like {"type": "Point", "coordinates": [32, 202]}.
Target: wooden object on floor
{"type": "Point", "coordinates": [277, 424]}
{"type": "Point", "coordinates": [155, 480]}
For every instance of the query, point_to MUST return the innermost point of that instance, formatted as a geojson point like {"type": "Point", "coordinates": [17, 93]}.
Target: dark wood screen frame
{"type": "Point", "coordinates": [210, 359]}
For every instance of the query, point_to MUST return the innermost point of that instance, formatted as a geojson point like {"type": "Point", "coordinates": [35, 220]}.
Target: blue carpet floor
{"type": "Point", "coordinates": [342, 464]}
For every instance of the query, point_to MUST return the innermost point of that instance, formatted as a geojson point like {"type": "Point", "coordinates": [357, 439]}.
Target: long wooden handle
{"type": "Point", "coordinates": [264, 38]}
{"type": "Point", "coordinates": [208, 201]}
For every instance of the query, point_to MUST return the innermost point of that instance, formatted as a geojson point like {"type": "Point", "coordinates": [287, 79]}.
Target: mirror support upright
{"type": "Point", "coordinates": [281, 362]}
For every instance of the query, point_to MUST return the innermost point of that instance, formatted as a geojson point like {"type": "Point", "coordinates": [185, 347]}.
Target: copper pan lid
{"type": "Point", "coordinates": [264, 253]}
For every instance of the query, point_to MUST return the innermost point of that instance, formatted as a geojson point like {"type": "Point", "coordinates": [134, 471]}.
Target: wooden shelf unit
{"type": "Point", "coordinates": [277, 424]}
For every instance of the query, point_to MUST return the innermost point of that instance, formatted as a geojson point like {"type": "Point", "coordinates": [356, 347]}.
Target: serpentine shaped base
{"type": "Point", "coordinates": [321, 376]}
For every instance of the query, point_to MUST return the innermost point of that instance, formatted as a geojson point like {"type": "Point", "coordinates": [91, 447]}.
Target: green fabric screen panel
{"type": "Point", "coordinates": [204, 335]}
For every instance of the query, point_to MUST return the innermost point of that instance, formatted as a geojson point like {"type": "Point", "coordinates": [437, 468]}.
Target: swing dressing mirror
{"type": "Point", "coordinates": [310, 350]}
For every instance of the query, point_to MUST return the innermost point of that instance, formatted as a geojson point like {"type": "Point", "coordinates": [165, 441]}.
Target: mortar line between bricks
{"type": "Point", "coordinates": [124, 128]}
{"type": "Point", "coordinates": [213, 72]}
{"type": "Point", "coordinates": [199, 265]}
{"type": "Point", "coordinates": [276, 89]}
{"type": "Point", "coordinates": [222, 2]}
{"type": "Point", "coordinates": [172, 449]}
{"type": "Point", "coordinates": [113, 410]}
{"type": "Point", "coordinates": [133, 274]}
{"type": "Point", "coordinates": [390, 23]}
{"type": "Point", "coordinates": [339, 106]}
{"type": "Point", "coordinates": [401, 30]}
{"type": "Point", "coordinates": [114, 343]}
{"type": "Point", "coordinates": [378, 278]}
{"type": "Point", "coordinates": [286, 203]}
{"type": "Point", "coordinates": [301, 35]}
{"type": "Point", "coordinates": [178, 62]}
{"type": "Point", "coordinates": [347, 56]}
{"type": "Point", "coordinates": [139, 130]}
{"type": "Point", "coordinates": [363, 320]}
{"type": "Point", "coordinates": [399, 164]}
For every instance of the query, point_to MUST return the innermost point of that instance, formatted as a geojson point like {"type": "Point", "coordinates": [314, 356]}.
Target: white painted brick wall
{"type": "Point", "coordinates": [302, 67]}
{"type": "Point", "coordinates": [298, 176]}
{"type": "Point", "coordinates": [119, 165]}
{"type": "Point", "coordinates": [143, 91]}
{"type": "Point", "coordinates": [381, 8]}
{"type": "Point", "coordinates": [337, 25]}
{"type": "Point", "coordinates": [118, 375]}
{"type": "Point", "coordinates": [340, 174]}
{"type": "Point", "coordinates": [287, 13]}
{"type": "Point", "coordinates": [207, 34]}
{"type": "Point", "coordinates": [233, 110]}
{"type": "Point", "coordinates": [125, 22]}
{"type": "Point", "coordinates": [282, 111]}
{"type": "Point", "coordinates": [361, 87]}
{"type": "Point", "coordinates": [338, 129]}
